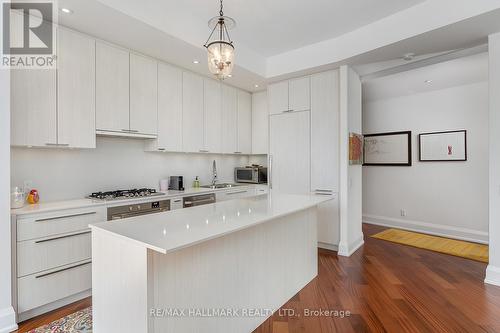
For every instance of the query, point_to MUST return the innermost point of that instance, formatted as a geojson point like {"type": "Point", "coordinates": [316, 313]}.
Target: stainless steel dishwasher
{"type": "Point", "coordinates": [198, 200]}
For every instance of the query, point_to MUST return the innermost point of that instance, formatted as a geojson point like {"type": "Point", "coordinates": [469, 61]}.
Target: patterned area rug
{"type": "Point", "coordinates": [78, 322]}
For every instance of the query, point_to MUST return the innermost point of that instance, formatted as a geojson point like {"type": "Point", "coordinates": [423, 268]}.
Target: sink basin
{"type": "Point", "coordinates": [222, 185]}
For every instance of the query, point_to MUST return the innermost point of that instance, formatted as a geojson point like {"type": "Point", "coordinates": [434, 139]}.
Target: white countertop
{"type": "Point", "coordinates": [173, 230]}
{"type": "Point", "coordinates": [45, 207]}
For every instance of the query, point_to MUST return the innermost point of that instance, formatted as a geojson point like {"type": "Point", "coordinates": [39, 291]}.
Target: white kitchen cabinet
{"type": "Point", "coordinates": [329, 224]}
{"type": "Point", "coordinates": [169, 110]}
{"type": "Point", "coordinates": [229, 119]}
{"type": "Point", "coordinates": [176, 203]}
{"type": "Point", "coordinates": [244, 122]}
{"type": "Point", "coordinates": [236, 193]}
{"type": "Point", "coordinates": [212, 116]}
{"type": "Point", "coordinates": [299, 94]}
{"type": "Point", "coordinates": [325, 109]}
{"type": "Point", "coordinates": [33, 107]}
{"type": "Point", "coordinates": [112, 89]}
{"type": "Point", "coordinates": [75, 90]}
{"type": "Point", "coordinates": [260, 123]}
{"type": "Point", "coordinates": [192, 122]}
{"type": "Point", "coordinates": [290, 152]}
{"type": "Point", "coordinates": [143, 95]}
{"type": "Point", "coordinates": [278, 97]}
{"type": "Point", "coordinates": [291, 95]}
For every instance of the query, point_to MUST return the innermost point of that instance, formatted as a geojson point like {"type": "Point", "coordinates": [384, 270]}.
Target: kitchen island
{"type": "Point", "coordinates": [222, 267]}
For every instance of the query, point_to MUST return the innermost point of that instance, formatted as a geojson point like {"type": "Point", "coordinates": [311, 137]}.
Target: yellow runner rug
{"type": "Point", "coordinates": [474, 251]}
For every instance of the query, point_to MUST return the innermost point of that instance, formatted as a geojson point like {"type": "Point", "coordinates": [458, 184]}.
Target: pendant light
{"type": "Point", "coordinates": [220, 49]}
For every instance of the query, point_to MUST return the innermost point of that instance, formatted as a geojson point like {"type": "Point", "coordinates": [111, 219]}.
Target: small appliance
{"type": "Point", "coordinates": [176, 183]}
{"type": "Point", "coordinates": [254, 174]}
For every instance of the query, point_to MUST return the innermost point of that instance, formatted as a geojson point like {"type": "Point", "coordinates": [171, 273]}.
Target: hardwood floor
{"type": "Point", "coordinates": [386, 287]}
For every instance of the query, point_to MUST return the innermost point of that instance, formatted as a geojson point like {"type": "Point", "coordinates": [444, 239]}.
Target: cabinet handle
{"type": "Point", "coordinates": [57, 144]}
{"type": "Point", "coordinates": [231, 193]}
{"type": "Point", "coordinates": [65, 216]}
{"type": "Point", "coordinates": [286, 111]}
{"type": "Point", "coordinates": [203, 151]}
{"type": "Point", "coordinates": [161, 149]}
{"type": "Point", "coordinates": [63, 269]}
{"type": "Point", "coordinates": [238, 152]}
{"type": "Point", "coordinates": [326, 191]}
{"type": "Point", "coordinates": [61, 237]}
{"type": "Point", "coordinates": [130, 130]}
{"type": "Point", "coordinates": [179, 200]}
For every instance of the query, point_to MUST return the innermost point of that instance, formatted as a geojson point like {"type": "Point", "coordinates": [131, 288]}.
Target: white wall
{"type": "Point", "coordinates": [449, 198]}
{"type": "Point", "coordinates": [7, 315]}
{"type": "Point", "coordinates": [350, 194]}
{"type": "Point", "coordinates": [116, 163]}
{"type": "Point", "coordinates": [493, 270]}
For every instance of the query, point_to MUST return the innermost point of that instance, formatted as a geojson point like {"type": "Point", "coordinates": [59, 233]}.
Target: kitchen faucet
{"type": "Point", "coordinates": [214, 173]}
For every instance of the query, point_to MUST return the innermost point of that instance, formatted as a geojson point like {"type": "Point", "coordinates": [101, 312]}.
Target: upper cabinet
{"type": "Point", "coordinates": [288, 96]}
{"type": "Point", "coordinates": [244, 123]}
{"type": "Point", "coordinates": [260, 123]}
{"type": "Point", "coordinates": [212, 115]}
{"type": "Point", "coordinates": [143, 95]}
{"type": "Point", "coordinates": [192, 113]}
{"type": "Point", "coordinates": [169, 110]}
{"type": "Point", "coordinates": [112, 89]}
{"type": "Point", "coordinates": [55, 108]}
{"type": "Point", "coordinates": [76, 90]}
{"type": "Point", "coordinates": [229, 119]}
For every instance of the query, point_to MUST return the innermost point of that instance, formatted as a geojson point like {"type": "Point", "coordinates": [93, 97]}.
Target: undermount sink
{"type": "Point", "coordinates": [223, 185]}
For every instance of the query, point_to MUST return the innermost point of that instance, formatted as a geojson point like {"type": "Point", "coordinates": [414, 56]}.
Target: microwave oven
{"type": "Point", "coordinates": [253, 175]}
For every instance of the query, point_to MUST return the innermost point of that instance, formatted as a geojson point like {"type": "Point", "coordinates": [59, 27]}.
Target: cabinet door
{"type": "Point", "coordinates": [112, 88]}
{"type": "Point", "coordinates": [244, 122]}
{"type": "Point", "coordinates": [143, 95]}
{"type": "Point", "coordinates": [325, 106]}
{"type": "Point", "coordinates": [278, 97]}
{"type": "Point", "coordinates": [290, 152]}
{"type": "Point", "coordinates": [229, 119]}
{"type": "Point", "coordinates": [299, 94]}
{"type": "Point", "coordinates": [33, 107]}
{"type": "Point", "coordinates": [192, 110]}
{"type": "Point", "coordinates": [260, 123]}
{"type": "Point", "coordinates": [76, 90]}
{"type": "Point", "coordinates": [329, 224]}
{"type": "Point", "coordinates": [169, 108]}
{"type": "Point", "coordinates": [212, 116]}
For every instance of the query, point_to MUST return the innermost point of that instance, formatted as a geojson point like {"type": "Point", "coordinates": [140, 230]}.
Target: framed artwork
{"type": "Point", "coordinates": [449, 146]}
{"type": "Point", "coordinates": [355, 149]}
{"type": "Point", "coordinates": [388, 149]}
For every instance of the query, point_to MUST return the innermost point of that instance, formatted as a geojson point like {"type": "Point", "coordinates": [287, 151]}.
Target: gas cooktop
{"type": "Point", "coordinates": [124, 194]}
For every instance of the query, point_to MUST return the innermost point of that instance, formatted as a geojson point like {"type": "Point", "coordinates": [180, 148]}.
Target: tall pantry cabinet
{"type": "Point", "coordinates": [304, 144]}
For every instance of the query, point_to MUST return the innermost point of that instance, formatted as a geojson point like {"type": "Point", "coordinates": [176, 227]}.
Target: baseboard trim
{"type": "Point", "coordinates": [7, 320]}
{"type": "Point", "coordinates": [492, 275]}
{"type": "Point", "coordinates": [429, 228]}
{"type": "Point", "coordinates": [327, 246]}
{"type": "Point", "coordinates": [346, 250]}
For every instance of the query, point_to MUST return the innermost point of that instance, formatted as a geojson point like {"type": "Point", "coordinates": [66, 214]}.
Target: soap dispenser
{"type": "Point", "coordinates": [196, 182]}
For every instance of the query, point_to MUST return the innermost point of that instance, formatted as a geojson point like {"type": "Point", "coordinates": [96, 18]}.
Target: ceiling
{"type": "Point", "coordinates": [280, 39]}
{"type": "Point", "coordinates": [266, 27]}
{"type": "Point", "coordinates": [457, 72]}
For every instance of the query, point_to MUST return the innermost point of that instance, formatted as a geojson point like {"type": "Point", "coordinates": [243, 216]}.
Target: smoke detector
{"type": "Point", "coordinates": [409, 56]}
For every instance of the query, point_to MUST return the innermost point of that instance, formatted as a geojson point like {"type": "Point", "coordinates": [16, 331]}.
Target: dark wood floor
{"type": "Point", "coordinates": [386, 287]}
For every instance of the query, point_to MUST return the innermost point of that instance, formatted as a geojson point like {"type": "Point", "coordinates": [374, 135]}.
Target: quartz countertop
{"type": "Point", "coordinates": [45, 207]}
{"type": "Point", "coordinates": [169, 231]}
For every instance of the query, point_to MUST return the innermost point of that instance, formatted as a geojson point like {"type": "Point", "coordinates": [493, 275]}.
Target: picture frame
{"type": "Point", "coordinates": [388, 149]}
{"type": "Point", "coordinates": [445, 146]}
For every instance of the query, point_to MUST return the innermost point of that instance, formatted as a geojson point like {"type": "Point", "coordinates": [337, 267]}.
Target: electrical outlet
{"type": "Point", "coordinates": [403, 212]}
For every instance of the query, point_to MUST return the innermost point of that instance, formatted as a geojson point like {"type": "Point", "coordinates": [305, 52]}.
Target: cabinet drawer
{"type": "Point", "coordinates": [42, 254]}
{"type": "Point", "coordinates": [234, 194]}
{"type": "Point", "coordinates": [49, 286]}
{"type": "Point", "coordinates": [60, 222]}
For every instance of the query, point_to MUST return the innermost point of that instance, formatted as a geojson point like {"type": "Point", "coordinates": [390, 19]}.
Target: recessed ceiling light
{"type": "Point", "coordinates": [428, 81]}
{"type": "Point", "coordinates": [229, 75]}
{"type": "Point", "coordinates": [66, 11]}
{"type": "Point", "coordinates": [256, 86]}
{"type": "Point", "coordinates": [196, 62]}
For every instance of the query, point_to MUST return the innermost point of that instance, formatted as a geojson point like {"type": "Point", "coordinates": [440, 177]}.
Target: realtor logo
{"type": "Point", "coordinates": [28, 35]}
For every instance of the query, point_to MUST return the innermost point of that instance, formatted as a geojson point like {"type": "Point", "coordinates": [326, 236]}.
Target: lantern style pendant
{"type": "Point", "coordinates": [220, 49]}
